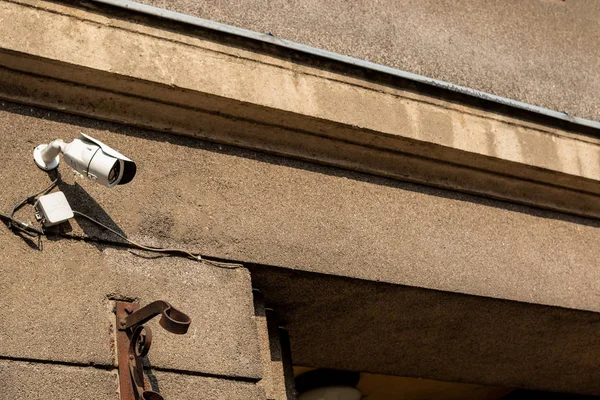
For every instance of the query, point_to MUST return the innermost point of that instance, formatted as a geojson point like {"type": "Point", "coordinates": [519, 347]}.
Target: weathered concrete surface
{"type": "Point", "coordinates": [34, 381]}
{"type": "Point", "coordinates": [189, 84]}
{"type": "Point", "coordinates": [390, 329]}
{"type": "Point", "coordinates": [540, 52]}
{"type": "Point", "coordinates": [186, 387]}
{"type": "Point", "coordinates": [56, 306]}
{"type": "Point", "coordinates": [240, 204]}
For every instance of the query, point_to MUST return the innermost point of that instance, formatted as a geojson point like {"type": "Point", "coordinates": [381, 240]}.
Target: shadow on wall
{"type": "Point", "coordinates": [358, 325]}
{"type": "Point", "coordinates": [80, 200]}
{"type": "Point", "coordinates": [86, 201]}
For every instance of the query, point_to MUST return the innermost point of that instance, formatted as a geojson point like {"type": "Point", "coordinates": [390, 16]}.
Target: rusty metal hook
{"type": "Point", "coordinates": [172, 319]}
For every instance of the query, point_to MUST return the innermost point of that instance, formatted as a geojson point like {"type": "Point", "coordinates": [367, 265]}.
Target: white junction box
{"type": "Point", "coordinates": [54, 209]}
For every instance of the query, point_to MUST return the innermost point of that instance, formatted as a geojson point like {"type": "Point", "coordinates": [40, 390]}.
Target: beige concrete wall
{"type": "Point", "coordinates": [262, 209]}
{"type": "Point", "coordinates": [57, 323]}
{"type": "Point", "coordinates": [543, 52]}
{"type": "Point", "coordinates": [242, 205]}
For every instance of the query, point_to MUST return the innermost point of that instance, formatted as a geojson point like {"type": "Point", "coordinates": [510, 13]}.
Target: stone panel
{"type": "Point", "coordinates": [37, 381]}
{"type": "Point", "coordinates": [57, 306]}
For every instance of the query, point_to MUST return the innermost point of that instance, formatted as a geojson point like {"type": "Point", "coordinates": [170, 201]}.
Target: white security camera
{"type": "Point", "coordinates": [89, 157]}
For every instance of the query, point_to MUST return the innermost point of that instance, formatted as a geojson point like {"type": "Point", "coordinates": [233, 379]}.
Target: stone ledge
{"type": "Point", "coordinates": [130, 72]}
{"type": "Point", "coordinates": [405, 331]}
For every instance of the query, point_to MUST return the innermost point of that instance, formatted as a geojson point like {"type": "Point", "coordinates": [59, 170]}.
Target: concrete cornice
{"type": "Point", "coordinates": [123, 68]}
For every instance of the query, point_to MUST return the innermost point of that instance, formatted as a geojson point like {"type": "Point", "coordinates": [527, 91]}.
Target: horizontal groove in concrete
{"type": "Point", "coordinates": [114, 368]}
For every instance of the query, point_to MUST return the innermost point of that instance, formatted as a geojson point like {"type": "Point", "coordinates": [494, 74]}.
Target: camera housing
{"type": "Point", "coordinates": [88, 156]}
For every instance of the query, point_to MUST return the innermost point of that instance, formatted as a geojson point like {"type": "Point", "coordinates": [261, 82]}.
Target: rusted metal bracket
{"type": "Point", "coordinates": [134, 340]}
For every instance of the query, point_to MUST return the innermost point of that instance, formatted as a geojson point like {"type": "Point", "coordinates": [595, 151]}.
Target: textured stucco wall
{"type": "Point", "coordinates": [543, 52]}
{"type": "Point", "coordinates": [243, 205]}
{"type": "Point", "coordinates": [57, 324]}
{"type": "Point", "coordinates": [56, 319]}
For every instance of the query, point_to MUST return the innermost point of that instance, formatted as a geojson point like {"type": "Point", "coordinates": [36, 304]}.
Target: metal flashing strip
{"type": "Point", "coordinates": [561, 117]}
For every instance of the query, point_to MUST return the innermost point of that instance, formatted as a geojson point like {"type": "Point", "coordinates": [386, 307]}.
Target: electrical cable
{"type": "Point", "coordinates": [22, 226]}
{"type": "Point", "coordinates": [195, 257]}
{"type": "Point", "coordinates": [32, 231]}
{"type": "Point", "coordinates": [31, 198]}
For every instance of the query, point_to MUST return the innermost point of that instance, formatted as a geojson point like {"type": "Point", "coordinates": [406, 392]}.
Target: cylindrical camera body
{"type": "Point", "coordinates": [88, 159]}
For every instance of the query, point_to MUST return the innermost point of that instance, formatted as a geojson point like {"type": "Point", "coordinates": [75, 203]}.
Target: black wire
{"type": "Point", "coordinates": [32, 231]}
{"type": "Point", "coordinates": [31, 198]}
{"type": "Point", "coordinates": [20, 226]}
{"type": "Point", "coordinates": [180, 252]}
{"type": "Point", "coordinates": [15, 224]}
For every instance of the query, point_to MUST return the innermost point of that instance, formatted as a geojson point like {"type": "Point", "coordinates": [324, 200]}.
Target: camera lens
{"type": "Point", "coordinates": [113, 175]}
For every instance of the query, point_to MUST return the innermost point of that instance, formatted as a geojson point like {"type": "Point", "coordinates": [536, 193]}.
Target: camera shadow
{"type": "Point", "coordinates": [81, 201]}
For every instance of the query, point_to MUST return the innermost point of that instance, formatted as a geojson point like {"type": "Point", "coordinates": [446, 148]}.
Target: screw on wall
{"type": "Point", "coordinates": [134, 340]}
